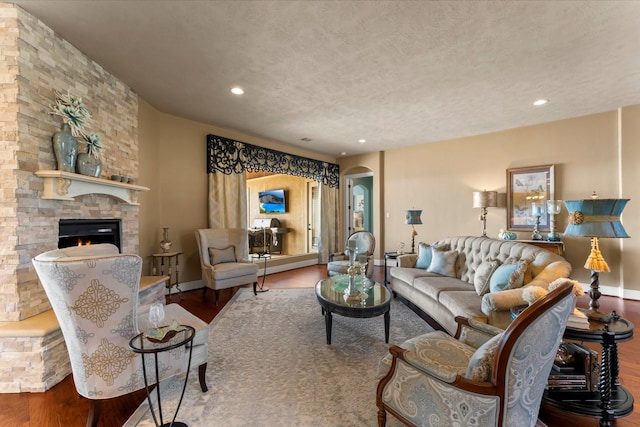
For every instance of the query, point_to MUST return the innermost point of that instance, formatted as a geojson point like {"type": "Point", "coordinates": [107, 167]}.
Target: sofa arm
{"type": "Point", "coordinates": [407, 260]}
{"type": "Point", "coordinates": [503, 300]}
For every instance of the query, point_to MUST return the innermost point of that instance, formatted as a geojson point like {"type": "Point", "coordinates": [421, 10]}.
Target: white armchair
{"type": "Point", "coordinates": [224, 259]}
{"type": "Point", "coordinates": [483, 376]}
{"type": "Point", "coordinates": [94, 293]}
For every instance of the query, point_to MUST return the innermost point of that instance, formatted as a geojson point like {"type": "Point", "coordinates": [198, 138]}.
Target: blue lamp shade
{"type": "Point", "coordinates": [413, 217]}
{"type": "Point", "coordinates": [595, 218]}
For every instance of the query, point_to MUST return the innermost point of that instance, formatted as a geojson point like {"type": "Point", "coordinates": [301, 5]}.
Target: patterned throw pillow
{"type": "Point", "coordinates": [481, 363]}
{"type": "Point", "coordinates": [509, 276]}
{"type": "Point", "coordinates": [483, 274]}
{"type": "Point", "coordinates": [424, 256]}
{"type": "Point", "coordinates": [443, 263]}
{"type": "Point", "coordinates": [219, 256]}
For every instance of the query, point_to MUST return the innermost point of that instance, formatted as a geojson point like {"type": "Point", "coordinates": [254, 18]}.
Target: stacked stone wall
{"type": "Point", "coordinates": [34, 63]}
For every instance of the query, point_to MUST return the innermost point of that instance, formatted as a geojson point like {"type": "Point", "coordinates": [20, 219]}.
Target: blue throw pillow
{"type": "Point", "coordinates": [443, 263]}
{"type": "Point", "coordinates": [506, 276]}
{"type": "Point", "coordinates": [424, 256]}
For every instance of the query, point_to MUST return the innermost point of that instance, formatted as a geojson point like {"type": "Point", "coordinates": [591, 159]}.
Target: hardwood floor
{"type": "Point", "coordinates": [61, 405]}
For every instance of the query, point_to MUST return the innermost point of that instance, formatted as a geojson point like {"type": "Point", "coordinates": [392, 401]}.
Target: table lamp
{"type": "Point", "coordinates": [483, 200]}
{"type": "Point", "coordinates": [596, 218]}
{"type": "Point", "coordinates": [412, 217]}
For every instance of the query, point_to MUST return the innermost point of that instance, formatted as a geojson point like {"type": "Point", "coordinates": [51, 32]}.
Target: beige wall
{"type": "Point", "coordinates": [589, 153]}
{"type": "Point", "coordinates": [295, 218]}
{"type": "Point", "coordinates": [440, 178]}
{"type": "Point", "coordinates": [173, 164]}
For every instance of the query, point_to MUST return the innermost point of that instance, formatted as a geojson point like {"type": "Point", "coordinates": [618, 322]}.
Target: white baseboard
{"type": "Point", "coordinates": [614, 291]}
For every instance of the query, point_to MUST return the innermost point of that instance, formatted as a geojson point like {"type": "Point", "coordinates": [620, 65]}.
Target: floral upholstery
{"type": "Point", "coordinates": [93, 291]}
{"type": "Point", "coordinates": [424, 387]}
{"type": "Point", "coordinates": [95, 300]}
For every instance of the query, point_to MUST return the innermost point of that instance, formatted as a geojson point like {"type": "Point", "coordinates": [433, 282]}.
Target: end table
{"type": "Point", "coordinates": [165, 263]}
{"type": "Point", "coordinates": [139, 344]}
{"type": "Point", "coordinates": [389, 255]}
{"type": "Point", "coordinates": [612, 400]}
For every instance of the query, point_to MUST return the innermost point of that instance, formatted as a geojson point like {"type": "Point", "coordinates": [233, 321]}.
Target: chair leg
{"type": "Point", "coordinates": [94, 413]}
{"type": "Point", "coordinates": [382, 417]}
{"type": "Point", "coordinates": [202, 372]}
{"type": "Point", "coordinates": [217, 292]}
{"type": "Point", "coordinates": [255, 288]}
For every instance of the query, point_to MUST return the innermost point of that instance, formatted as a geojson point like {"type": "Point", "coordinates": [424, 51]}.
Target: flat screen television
{"type": "Point", "coordinates": [272, 201]}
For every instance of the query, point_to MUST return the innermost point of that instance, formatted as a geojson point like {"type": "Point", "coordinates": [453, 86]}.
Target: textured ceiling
{"type": "Point", "coordinates": [395, 73]}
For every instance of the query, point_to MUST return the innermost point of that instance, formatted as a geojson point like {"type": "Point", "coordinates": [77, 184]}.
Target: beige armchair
{"type": "Point", "coordinates": [365, 245]}
{"type": "Point", "coordinates": [224, 259]}
{"type": "Point", "coordinates": [94, 293]}
{"type": "Point", "coordinates": [483, 376]}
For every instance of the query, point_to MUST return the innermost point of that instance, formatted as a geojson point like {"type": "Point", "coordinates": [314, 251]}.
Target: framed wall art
{"type": "Point", "coordinates": [524, 187]}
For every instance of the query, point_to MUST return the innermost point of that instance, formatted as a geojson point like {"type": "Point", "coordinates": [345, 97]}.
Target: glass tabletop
{"type": "Point", "coordinates": [332, 290]}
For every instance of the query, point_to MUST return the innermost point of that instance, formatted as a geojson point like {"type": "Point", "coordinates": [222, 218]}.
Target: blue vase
{"type": "Point", "coordinates": [89, 164]}
{"type": "Point", "coordinates": [65, 149]}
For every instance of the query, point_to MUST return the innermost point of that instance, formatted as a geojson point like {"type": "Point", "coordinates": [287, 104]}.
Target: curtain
{"type": "Point", "coordinates": [227, 200]}
{"type": "Point", "coordinates": [330, 241]}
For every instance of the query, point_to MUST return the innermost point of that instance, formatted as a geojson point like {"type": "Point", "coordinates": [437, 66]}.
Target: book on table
{"type": "Point", "coordinates": [580, 373]}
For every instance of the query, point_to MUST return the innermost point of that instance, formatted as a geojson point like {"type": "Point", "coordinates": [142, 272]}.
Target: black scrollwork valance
{"type": "Point", "coordinates": [228, 156]}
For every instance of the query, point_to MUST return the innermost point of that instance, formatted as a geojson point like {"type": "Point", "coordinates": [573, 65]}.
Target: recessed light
{"type": "Point", "coordinates": [344, 153]}
{"type": "Point", "coordinates": [540, 102]}
{"type": "Point", "coordinates": [237, 90]}
{"type": "Point", "coordinates": [362, 141]}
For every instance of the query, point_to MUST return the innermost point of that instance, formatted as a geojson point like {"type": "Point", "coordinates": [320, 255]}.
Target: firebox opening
{"type": "Point", "coordinates": [76, 232]}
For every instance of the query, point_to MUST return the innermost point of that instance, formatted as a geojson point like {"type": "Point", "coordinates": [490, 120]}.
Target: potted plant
{"type": "Point", "coordinates": [89, 162]}
{"type": "Point", "coordinates": [75, 116]}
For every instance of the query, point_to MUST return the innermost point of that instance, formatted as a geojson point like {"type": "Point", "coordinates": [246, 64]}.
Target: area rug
{"type": "Point", "coordinates": [270, 365]}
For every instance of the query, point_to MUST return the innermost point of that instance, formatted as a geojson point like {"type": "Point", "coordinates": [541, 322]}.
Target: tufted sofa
{"type": "Point", "coordinates": [443, 298]}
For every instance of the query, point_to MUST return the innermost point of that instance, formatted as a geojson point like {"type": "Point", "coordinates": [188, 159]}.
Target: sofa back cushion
{"type": "Point", "coordinates": [473, 251]}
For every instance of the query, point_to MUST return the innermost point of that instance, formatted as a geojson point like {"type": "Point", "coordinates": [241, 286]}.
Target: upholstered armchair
{"type": "Point", "coordinates": [93, 291]}
{"type": "Point", "coordinates": [365, 245]}
{"type": "Point", "coordinates": [224, 259]}
{"type": "Point", "coordinates": [483, 376]}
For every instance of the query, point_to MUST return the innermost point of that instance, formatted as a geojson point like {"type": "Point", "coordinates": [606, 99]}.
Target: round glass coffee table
{"type": "Point", "coordinates": [330, 293]}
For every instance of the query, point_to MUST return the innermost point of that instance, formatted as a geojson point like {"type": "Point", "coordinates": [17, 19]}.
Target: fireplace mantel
{"type": "Point", "coordinates": [61, 185]}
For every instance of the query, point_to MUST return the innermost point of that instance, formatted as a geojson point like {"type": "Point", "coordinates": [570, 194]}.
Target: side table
{"type": "Point", "coordinates": [165, 262]}
{"type": "Point", "coordinates": [139, 344]}
{"type": "Point", "coordinates": [612, 400]}
{"type": "Point", "coordinates": [388, 255]}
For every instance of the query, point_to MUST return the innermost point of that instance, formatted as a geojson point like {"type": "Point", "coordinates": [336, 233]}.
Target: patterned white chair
{"type": "Point", "coordinates": [94, 293]}
{"type": "Point", "coordinates": [365, 245]}
{"type": "Point", "coordinates": [224, 259]}
{"type": "Point", "coordinates": [483, 376]}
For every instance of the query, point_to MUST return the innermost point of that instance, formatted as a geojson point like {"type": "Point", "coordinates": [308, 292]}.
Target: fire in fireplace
{"type": "Point", "coordinates": [76, 232]}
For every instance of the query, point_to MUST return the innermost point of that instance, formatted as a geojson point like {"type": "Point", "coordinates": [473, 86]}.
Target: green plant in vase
{"type": "Point", "coordinates": [75, 116]}
{"type": "Point", "coordinates": [89, 162]}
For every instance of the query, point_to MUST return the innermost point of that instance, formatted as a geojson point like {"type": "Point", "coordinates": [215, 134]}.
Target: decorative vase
{"type": "Point", "coordinates": [165, 244]}
{"type": "Point", "coordinates": [89, 164]}
{"type": "Point", "coordinates": [65, 149]}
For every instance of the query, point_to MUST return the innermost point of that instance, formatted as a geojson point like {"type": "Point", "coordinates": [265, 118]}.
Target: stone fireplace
{"type": "Point", "coordinates": [35, 62]}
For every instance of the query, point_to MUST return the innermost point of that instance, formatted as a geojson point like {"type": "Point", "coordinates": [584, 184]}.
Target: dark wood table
{"type": "Point", "coordinates": [139, 344]}
{"type": "Point", "coordinates": [332, 300]}
{"type": "Point", "coordinates": [389, 255]}
{"type": "Point", "coordinates": [612, 400]}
